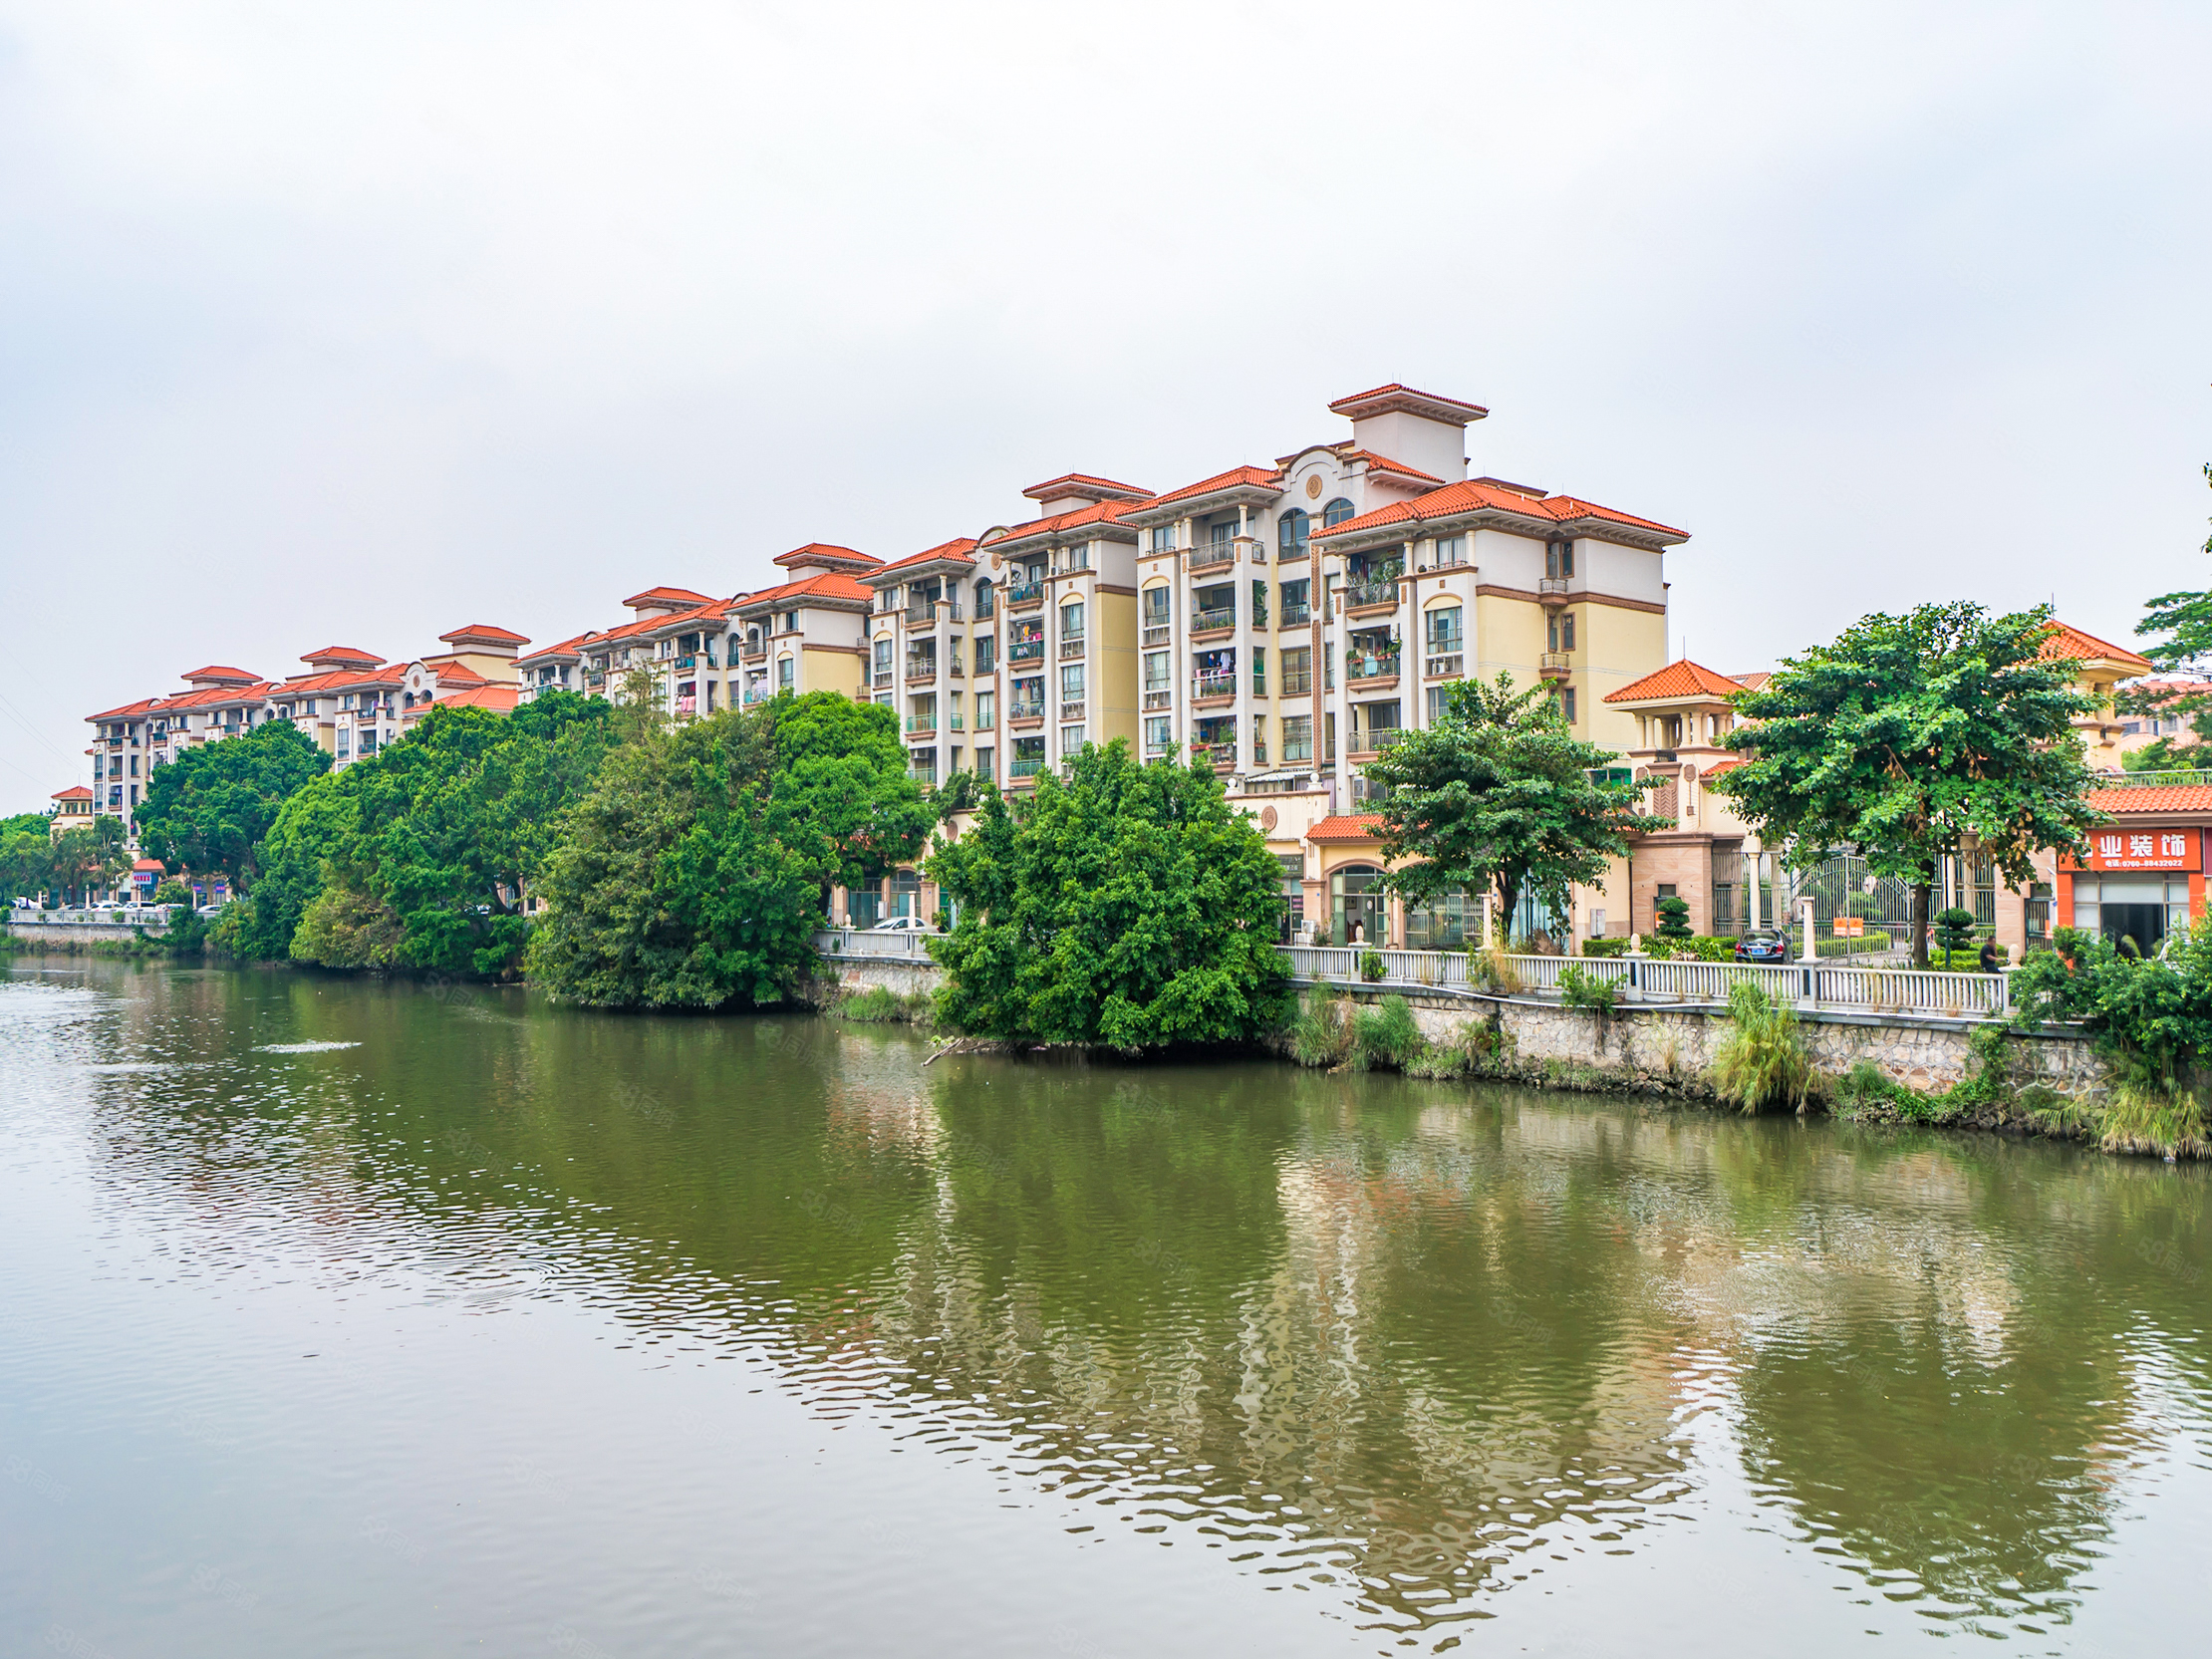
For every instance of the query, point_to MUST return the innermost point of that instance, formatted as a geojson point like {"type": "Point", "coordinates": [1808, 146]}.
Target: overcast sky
{"type": "Point", "coordinates": [326, 324]}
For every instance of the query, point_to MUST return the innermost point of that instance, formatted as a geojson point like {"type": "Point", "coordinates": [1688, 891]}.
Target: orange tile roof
{"type": "Point", "coordinates": [150, 864]}
{"type": "Point", "coordinates": [143, 707]}
{"type": "Point", "coordinates": [1477, 495]}
{"type": "Point", "coordinates": [2068, 641]}
{"type": "Point", "coordinates": [214, 696]}
{"type": "Point", "coordinates": [215, 670]}
{"type": "Point", "coordinates": [1082, 483]}
{"type": "Point", "coordinates": [663, 596]}
{"type": "Point", "coordinates": [825, 550]}
{"type": "Point", "coordinates": [1359, 826]}
{"type": "Point", "coordinates": [1681, 679]}
{"type": "Point", "coordinates": [562, 647]}
{"type": "Point", "coordinates": [2188, 797]}
{"type": "Point", "coordinates": [961, 550]}
{"type": "Point", "coordinates": [456, 674]}
{"type": "Point", "coordinates": [831, 584]}
{"type": "Point", "coordinates": [486, 631]}
{"type": "Point", "coordinates": [1383, 464]}
{"type": "Point", "coordinates": [1255, 477]}
{"type": "Point", "coordinates": [76, 792]}
{"type": "Point", "coordinates": [340, 653]}
{"type": "Point", "coordinates": [1097, 513]}
{"type": "Point", "coordinates": [1381, 398]}
{"type": "Point", "coordinates": [1720, 766]}
{"type": "Point", "coordinates": [1753, 680]}
{"type": "Point", "coordinates": [338, 679]}
{"type": "Point", "coordinates": [499, 698]}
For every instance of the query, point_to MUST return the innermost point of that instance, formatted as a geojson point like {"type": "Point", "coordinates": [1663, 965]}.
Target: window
{"type": "Point", "coordinates": [984, 760]}
{"type": "Point", "coordinates": [787, 672]}
{"type": "Point", "coordinates": [987, 653]}
{"type": "Point", "coordinates": [1329, 732]}
{"type": "Point", "coordinates": [1155, 672]}
{"type": "Point", "coordinates": [986, 713]}
{"type": "Point", "coordinates": [1297, 737]}
{"type": "Point", "coordinates": [1558, 559]}
{"type": "Point", "coordinates": [1220, 532]}
{"type": "Point", "coordinates": [1071, 683]}
{"type": "Point", "coordinates": [1328, 665]}
{"type": "Point", "coordinates": [1259, 671]}
{"type": "Point", "coordinates": [1438, 701]}
{"type": "Point", "coordinates": [1567, 702]}
{"type": "Point", "coordinates": [1298, 671]}
{"type": "Point", "coordinates": [1291, 530]}
{"type": "Point", "coordinates": [1259, 604]}
{"type": "Point", "coordinates": [1442, 923]}
{"type": "Point", "coordinates": [1559, 631]}
{"type": "Point", "coordinates": [883, 658]}
{"type": "Point", "coordinates": [1335, 513]}
{"type": "Point", "coordinates": [1444, 631]}
{"type": "Point", "coordinates": [1029, 758]}
{"type": "Point", "coordinates": [1071, 621]}
{"type": "Point", "coordinates": [984, 605]}
{"type": "Point", "coordinates": [1295, 612]}
{"type": "Point", "coordinates": [1029, 699]}
{"type": "Point", "coordinates": [345, 751]}
{"type": "Point", "coordinates": [1159, 734]}
{"type": "Point", "coordinates": [1451, 550]}
{"type": "Point", "coordinates": [791, 621]}
{"type": "Point", "coordinates": [1071, 741]}
{"type": "Point", "coordinates": [1156, 607]}
{"type": "Point", "coordinates": [1163, 538]}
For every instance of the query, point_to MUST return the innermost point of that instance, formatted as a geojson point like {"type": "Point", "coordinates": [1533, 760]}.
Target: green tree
{"type": "Point", "coordinates": [695, 873]}
{"type": "Point", "coordinates": [1129, 906]}
{"type": "Point", "coordinates": [26, 854]}
{"type": "Point", "coordinates": [1909, 735]}
{"type": "Point", "coordinates": [1499, 792]}
{"type": "Point", "coordinates": [1674, 917]}
{"type": "Point", "coordinates": [86, 857]}
{"type": "Point", "coordinates": [210, 809]}
{"type": "Point", "coordinates": [2181, 624]}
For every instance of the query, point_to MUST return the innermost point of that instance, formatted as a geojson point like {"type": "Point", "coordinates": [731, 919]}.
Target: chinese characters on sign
{"type": "Point", "coordinates": [2154, 849]}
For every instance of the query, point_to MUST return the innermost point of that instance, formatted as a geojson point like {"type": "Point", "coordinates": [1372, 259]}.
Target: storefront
{"type": "Point", "coordinates": [2143, 879]}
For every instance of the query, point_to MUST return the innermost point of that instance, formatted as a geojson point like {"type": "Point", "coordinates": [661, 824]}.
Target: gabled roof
{"type": "Point", "coordinates": [456, 675]}
{"type": "Point", "coordinates": [338, 680]}
{"type": "Point", "coordinates": [214, 696]}
{"type": "Point", "coordinates": [2068, 642]}
{"type": "Point", "coordinates": [485, 632]}
{"type": "Point", "coordinates": [1247, 477]}
{"type": "Point", "coordinates": [340, 654]}
{"type": "Point", "coordinates": [961, 550]}
{"type": "Point", "coordinates": [2188, 797]}
{"type": "Point", "coordinates": [215, 670]}
{"type": "Point", "coordinates": [1394, 397]}
{"type": "Point", "coordinates": [1383, 464]}
{"type": "Point", "coordinates": [498, 697]}
{"type": "Point", "coordinates": [1089, 486]}
{"type": "Point", "coordinates": [1076, 518]}
{"type": "Point", "coordinates": [826, 553]}
{"type": "Point", "coordinates": [1358, 826]}
{"type": "Point", "coordinates": [1477, 495]}
{"type": "Point", "coordinates": [75, 792]}
{"type": "Point", "coordinates": [830, 585]}
{"type": "Point", "coordinates": [563, 648]}
{"type": "Point", "coordinates": [1751, 682]}
{"type": "Point", "coordinates": [682, 597]}
{"type": "Point", "coordinates": [145, 705]}
{"type": "Point", "coordinates": [1678, 679]}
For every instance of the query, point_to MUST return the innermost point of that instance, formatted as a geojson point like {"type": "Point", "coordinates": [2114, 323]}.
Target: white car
{"type": "Point", "coordinates": [902, 924]}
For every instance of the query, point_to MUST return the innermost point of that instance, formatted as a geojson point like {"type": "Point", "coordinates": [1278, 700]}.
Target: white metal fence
{"type": "Point", "coordinates": [905, 945]}
{"type": "Point", "coordinates": [1648, 980]}
{"type": "Point", "coordinates": [96, 916]}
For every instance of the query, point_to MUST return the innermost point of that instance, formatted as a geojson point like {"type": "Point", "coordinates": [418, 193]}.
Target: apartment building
{"type": "Point", "coordinates": [933, 659]}
{"type": "Point", "coordinates": [809, 633]}
{"type": "Point", "coordinates": [679, 639]}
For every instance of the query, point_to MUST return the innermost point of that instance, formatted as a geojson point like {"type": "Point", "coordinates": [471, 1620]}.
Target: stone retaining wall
{"type": "Point", "coordinates": [60, 935]}
{"type": "Point", "coordinates": [901, 974]}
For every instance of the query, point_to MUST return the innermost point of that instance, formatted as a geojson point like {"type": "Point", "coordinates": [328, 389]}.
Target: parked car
{"type": "Point", "coordinates": [1764, 944]}
{"type": "Point", "coordinates": [902, 924]}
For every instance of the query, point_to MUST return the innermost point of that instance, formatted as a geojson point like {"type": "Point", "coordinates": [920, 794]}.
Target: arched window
{"type": "Point", "coordinates": [1291, 532]}
{"type": "Point", "coordinates": [983, 598]}
{"type": "Point", "coordinates": [1357, 900]}
{"type": "Point", "coordinates": [1335, 513]}
{"type": "Point", "coordinates": [906, 893]}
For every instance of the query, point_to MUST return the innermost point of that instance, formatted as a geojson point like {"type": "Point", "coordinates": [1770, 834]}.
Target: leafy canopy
{"type": "Point", "coordinates": [1128, 906]}
{"type": "Point", "coordinates": [1498, 791]}
{"type": "Point", "coordinates": [695, 871]}
{"type": "Point", "coordinates": [209, 809]}
{"type": "Point", "coordinates": [1910, 733]}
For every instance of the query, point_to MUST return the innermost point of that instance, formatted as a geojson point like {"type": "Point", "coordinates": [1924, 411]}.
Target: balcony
{"type": "Point", "coordinates": [1212, 556]}
{"type": "Point", "coordinates": [1448, 561]}
{"type": "Point", "coordinates": [1222, 756]}
{"type": "Point", "coordinates": [985, 720]}
{"type": "Point", "coordinates": [1026, 650]}
{"type": "Point", "coordinates": [1219, 683]}
{"type": "Point", "coordinates": [1071, 711]}
{"type": "Point", "coordinates": [921, 668]}
{"type": "Point", "coordinates": [1552, 589]}
{"type": "Point", "coordinates": [1366, 595]}
{"type": "Point", "coordinates": [884, 678]}
{"type": "Point", "coordinates": [1158, 633]}
{"type": "Point", "coordinates": [1298, 683]}
{"type": "Point", "coordinates": [687, 662]}
{"type": "Point", "coordinates": [1295, 616]}
{"type": "Point", "coordinates": [986, 606]}
{"type": "Point", "coordinates": [1375, 738]}
{"type": "Point", "coordinates": [1030, 712]}
{"type": "Point", "coordinates": [756, 652]}
{"type": "Point", "coordinates": [1025, 768]}
{"type": "Point", "coordinates": [1207, 621]}
{"type": "Point", "coordinates": [1370, 667]}
{"type": "Point", "coordinates": [1025, 593]}
{"type": "Point", "coordinates": [959, 724]}
{"type": "Point", "coordinates": [1159, 700]}
{"type": "Point", "coordinates": [1072, 645]}
{"type": "Point", "coordinates": [1444, 667]}
{"type": "Point", "coordinates": [1555, 665]}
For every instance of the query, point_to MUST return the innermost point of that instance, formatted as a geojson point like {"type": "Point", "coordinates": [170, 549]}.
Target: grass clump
{"type": "Point", "coordinates": [1320, 1036]}
{"type": "Point", "coordinates": [1763, 1061]}
{"type": "Point", "coordinates": [1385, 1034]}
{"type": "Point", "coordinates": [2149, 1115]}
{"type": "Point", "coordinates": [881, 1006]}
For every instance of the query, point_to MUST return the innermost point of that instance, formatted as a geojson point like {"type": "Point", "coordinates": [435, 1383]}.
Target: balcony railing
{"type": "Point", "coordinates": [1159, 699]}
{"type": "Point", "coordinates": [1071, 645]}
{"type": "Point", "coordinates": [921, 668]}
{"type": "Point", "coordinates": [1025, 768]}
{"type": "Point", "coordinates": [1220, 684]}
{"type": "Point", "coordinates": [1384, 592]}
{"type": "Point", "coordinates": [921, 723]}
{"type": "Point", "coordinates": [1207, 621]}
{"type": "Point", "coordinates": [1557, 661]}
{"type": "Point", "coordinates": [1295, 616]}
{"type": "Point", "coordinates": [987, 607]}
{"type": "Point", "coordinates": [1370, 667]}
{"type": "Point", "coordinates": [884, 677]}
{"type": "Point", "coordinates": [1551, 587]}
{"type": "Point", "coordinates": [1212, 556]}
{"type": "Point", "coordinates": [1436, 667]}
{"type": "Point", "coordinates": [1448, 561]}
{"type": "Point", "coordinates": [1026, 651]}
{"type": "Point", "coordinates": [1025, 711]}
{"type": "Point", "coordinates": [2152, 780]}
{"type": "Point", "coordinates": [1222, 756]}
{"type": "Point", "coordinates": [1374, 739]}
{"type": "Point", "coordinates": [1158, 633]}
{"type": "Point", "coordinates": [1296, 683]}
{"type": "Point", "coordinates": [987, 720]}
{"type": "Point", "coordinates": [1071, 711]}
{"type": "Point", "coordinates": [1025, 593]}
{"type": "Point", "coordinates": [957, 724]}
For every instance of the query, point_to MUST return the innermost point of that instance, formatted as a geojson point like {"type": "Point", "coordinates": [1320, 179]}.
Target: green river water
{"type": "Point", "coordinates": [346, 1318]}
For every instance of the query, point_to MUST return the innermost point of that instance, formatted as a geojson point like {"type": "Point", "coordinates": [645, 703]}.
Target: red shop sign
{"type": "Point", "coordinates": [2139, 849]}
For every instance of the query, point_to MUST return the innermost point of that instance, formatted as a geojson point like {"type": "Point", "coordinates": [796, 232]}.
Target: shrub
{"type": "Point", "coordinates": [1385, 1034]}
{"type": "Point", "coordinates": [2145, 1115]}
{"type": "Point", "coordinates": [1580, 988]}
{"type": "Point", "coordinates": [1370, 965]}
{"type": "Point", "coordinates": [1867, 944]}
{"type": "Point", "coordinates": [1954, 930]}
{"type": "Point", "coordinates": [1605, 947]}
{"type": "Point", "coordinates": [1763, 1061]}
{"type": "Point", "coordinates": [172, 892]}
{"type": "Point", "coordinates": [1321, 1035]}
{"type": "Point", "coordinates": [1493, 968]}
{"type": "Point", "coordinates": [1674, 918]}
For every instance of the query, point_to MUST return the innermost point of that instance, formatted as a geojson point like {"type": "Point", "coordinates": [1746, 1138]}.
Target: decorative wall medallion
{"type": "Point", "coordinates": [1268, 819]}
{"type": "Point", "coordinates": [1313, 488]}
